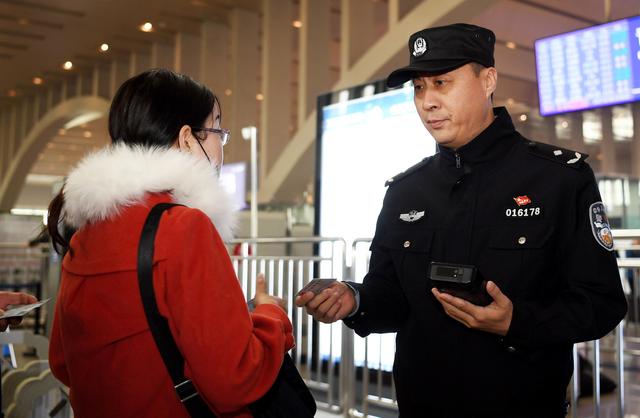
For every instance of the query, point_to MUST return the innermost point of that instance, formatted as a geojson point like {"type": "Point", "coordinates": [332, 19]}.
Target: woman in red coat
{"type": "Point", "coordinates": [166, 147]}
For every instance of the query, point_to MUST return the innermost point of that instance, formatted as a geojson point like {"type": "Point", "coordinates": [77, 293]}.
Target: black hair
{"type": "Point", "coordinates": [151, 108]}
{"type": "Point", "coordinates": [477, 69]}
{"type": "Point", "coordinates": [148, 110]}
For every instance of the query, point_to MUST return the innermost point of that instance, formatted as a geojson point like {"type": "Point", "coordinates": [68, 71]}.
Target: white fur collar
{"type": "Point", "coordinates": [121, 175]}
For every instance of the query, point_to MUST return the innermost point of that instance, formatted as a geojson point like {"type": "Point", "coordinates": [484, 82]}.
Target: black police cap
{"type": "Point", "coordinates": [442, 49]}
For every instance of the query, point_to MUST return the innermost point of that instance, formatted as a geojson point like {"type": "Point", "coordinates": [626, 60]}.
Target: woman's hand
{"type": "Point", "coordinates": [262, 296]}
{"type": "Point", "coordinates": [13, 298]}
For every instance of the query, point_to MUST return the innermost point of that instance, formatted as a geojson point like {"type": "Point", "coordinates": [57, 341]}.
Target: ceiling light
{"type": "Point", "coordinates": [523, 118]}
{"type": "Point", "coordinates": [511, 45]}
{"type": "Point", "coordinates": [297, 24]}
{"type": "Point", "coordinates": [259, 97]}
{"type": "Point", "coordinates": [87, 134]}
{"type": "Point", "coordinates": [37, 81]}
{"type": "Point", "coordinates": [104, 47]}
{"type": "Point", "coordinates": [146, 27]}
{"type": "Point", "coordinates": [227, 92]}
{"type": "Point", "coordinates": [564, 124]}
{"type": "Point", "coordinates": [67, 65]}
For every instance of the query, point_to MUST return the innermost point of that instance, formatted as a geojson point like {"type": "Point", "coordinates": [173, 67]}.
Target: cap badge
{"type": "Point", "coordinates": [419, 47]}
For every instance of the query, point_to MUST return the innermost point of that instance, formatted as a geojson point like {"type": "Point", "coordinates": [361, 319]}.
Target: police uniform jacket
{"type": "Point", "coordinates": [528, 216]}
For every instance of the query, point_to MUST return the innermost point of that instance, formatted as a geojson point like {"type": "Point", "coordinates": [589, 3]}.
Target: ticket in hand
{"type": "Point", "coordinates": [317, 285]}
{"type": "Point", "coordinates": [21, 310]}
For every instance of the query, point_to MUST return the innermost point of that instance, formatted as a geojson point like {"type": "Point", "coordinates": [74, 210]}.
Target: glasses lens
{"type": "Point", "coordinates": [224, 137]}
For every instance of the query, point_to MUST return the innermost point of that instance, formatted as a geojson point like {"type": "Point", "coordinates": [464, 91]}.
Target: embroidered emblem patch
{"type": "Point", "coordinates": [600, 226]}
{"type": "Point", "coordinates": [412, 216]}
{"type": "Point", "coordinates": [419, 47]}
{"type": "Point", "coordinates": [522, 200]}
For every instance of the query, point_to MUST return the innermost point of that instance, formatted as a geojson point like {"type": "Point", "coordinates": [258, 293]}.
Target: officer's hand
{"type": "Point", "coordinates": [494, 318]}
{"type": "Point", "coordinates": [330, 305]}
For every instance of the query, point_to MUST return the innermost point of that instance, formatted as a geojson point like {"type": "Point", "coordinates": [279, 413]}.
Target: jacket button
{"type": "Point", "coordinates": [407, 244]}
{"type": "Point", "coordinates": [522, 240]}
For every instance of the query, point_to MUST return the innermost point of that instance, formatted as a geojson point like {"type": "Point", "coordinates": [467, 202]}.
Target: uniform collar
{"type": "Point", "coordinates": [492, 143]}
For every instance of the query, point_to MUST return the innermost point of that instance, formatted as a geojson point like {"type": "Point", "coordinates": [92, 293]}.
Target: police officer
{"type": "Point", "coordinates": [527, 215]}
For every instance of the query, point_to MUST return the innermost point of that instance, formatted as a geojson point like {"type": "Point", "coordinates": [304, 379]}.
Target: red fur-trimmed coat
{"type": "Point", "coordinates": [101, 346]}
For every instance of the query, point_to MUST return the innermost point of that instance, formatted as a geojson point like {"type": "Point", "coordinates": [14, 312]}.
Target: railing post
{"type": "Point", "coordinates": [596, 378]}
{"type": "Point", "coordinates": [347, 367]}
{"type": "Point", "coordinates": [575, 383]}
{"type": "Point", "coordinates": [620, 367]}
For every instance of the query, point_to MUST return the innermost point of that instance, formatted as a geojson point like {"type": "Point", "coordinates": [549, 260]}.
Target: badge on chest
{"type": "Point", "coordinates": [412, 216]}
{"type": "Point", "coordinates": [523, 207]}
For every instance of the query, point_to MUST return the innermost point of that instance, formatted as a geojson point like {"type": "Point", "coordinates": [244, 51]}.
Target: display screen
{"type": "Point", "coordinates": [593, 67]}
{"type": "Point", "coordinates": [233, 178]}
{"type": "Point", "coordinates": [363, 142]}
{"type": "Point", "coordinates": [365, 136]}
{"type": "Point", "coordinates": [447, 271]}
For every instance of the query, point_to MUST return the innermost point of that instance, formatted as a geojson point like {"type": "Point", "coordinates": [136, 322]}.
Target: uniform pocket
{"type": "Point", "coordinates": [520, 237]}
{"type": "Point", "coordinates": [407, 242]}
{"type": "Point", "coordinates": [518, 257]}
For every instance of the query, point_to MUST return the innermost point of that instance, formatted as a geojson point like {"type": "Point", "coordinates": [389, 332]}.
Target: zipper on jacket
{"type": "Point", "coordinates": [458, 163]}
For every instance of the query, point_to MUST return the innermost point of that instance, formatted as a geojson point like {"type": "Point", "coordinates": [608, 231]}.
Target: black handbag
{"type": "Point", "coordinates": [288, 397]}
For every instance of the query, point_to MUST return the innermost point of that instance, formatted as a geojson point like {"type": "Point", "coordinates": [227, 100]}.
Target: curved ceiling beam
{"type": "Point", "coordinates": [426, 14]}
{"type": "Point", "coordinates": [46, 128]}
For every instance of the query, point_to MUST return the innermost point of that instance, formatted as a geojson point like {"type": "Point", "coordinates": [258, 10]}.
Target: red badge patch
{"type": "Point", "coordinates": [522, 200]}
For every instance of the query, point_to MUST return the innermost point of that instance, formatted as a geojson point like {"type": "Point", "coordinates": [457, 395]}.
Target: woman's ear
{"type": "Point", "coordinates": [185, 139]}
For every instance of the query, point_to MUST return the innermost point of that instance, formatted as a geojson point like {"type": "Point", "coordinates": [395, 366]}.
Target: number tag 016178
{"type": "Point", "coordinates": [532, 212]}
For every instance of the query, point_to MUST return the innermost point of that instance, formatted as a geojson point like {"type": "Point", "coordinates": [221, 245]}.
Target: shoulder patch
{"type": "Point", "coordinates": [567, 157]}
{"type": "Point", "coordinates": [393, 180]}
{"type": "Point", "coordinates": [600, 226]}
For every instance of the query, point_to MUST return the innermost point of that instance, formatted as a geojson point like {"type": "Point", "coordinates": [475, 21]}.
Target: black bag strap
{"type": "Point", "coordinates": [158, 325]}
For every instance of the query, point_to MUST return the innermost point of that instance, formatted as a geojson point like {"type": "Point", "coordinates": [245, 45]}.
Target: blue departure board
{"type": "Point", "coordinates": [588, 68]}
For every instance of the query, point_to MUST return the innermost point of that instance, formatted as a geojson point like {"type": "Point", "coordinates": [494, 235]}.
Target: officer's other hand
{"type": "Point", "coordinates": [494, 318]}
{"type": "Point", "coordinates": [330, 305]}
{"type": "Point", "coordinates": [263, 297]}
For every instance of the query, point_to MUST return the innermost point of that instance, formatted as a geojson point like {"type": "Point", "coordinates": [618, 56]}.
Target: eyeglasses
{"type": "Point", "coordinates": [224, 134]}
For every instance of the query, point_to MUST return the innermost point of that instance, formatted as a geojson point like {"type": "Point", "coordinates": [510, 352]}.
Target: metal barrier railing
{"type": "Point", "coordinates": [374, 392]}
{"type": "Point", "coordinates": [306, 259]}
{"type": "Point", "coordinates": [328, 356]}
